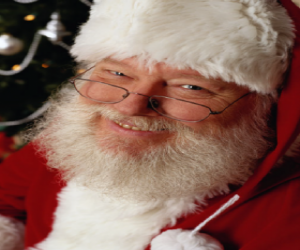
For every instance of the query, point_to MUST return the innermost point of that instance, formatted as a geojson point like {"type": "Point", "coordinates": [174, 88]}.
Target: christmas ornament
{"type": "Point", "coordinates": [27, 59]}
{"type": "Point", "coordinates": [55, 30]}
{"type": "Point", "coordinates": [10, 45]}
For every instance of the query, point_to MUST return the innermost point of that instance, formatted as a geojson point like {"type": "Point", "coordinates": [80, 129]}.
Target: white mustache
{"type": "Point", "coordinates": [144, 123]}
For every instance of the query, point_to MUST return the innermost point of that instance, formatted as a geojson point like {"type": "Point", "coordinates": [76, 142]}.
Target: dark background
{"type": "Point", "coordinates": [23, 93]}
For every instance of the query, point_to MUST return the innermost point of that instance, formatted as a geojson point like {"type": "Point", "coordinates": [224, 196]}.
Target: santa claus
{"type": "Point", "coordinates": [180, 133]}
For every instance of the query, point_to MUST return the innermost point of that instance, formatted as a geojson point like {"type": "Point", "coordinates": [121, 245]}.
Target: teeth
{"type": "Point", "coordinates": [135, 128]}
{"type": "Point", "coordinates": [129, 127]}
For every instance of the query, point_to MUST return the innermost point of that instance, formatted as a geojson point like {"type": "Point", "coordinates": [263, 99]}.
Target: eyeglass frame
{"type": "Point", "coordinates": [211, 112]}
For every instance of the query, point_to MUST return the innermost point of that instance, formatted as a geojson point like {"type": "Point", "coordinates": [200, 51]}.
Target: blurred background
{"type": "Point", "coordinates": [35, 36]}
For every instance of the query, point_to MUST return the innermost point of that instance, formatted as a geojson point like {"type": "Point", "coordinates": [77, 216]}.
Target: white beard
{"type": "Point", "coordinates": [189, 165]}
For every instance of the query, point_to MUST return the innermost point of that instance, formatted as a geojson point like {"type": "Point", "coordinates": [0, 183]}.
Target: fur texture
{"type": "Point", "coordinates": [179, 239]}
{"type": "Point", "coordinates": [242, 41]}
{"type": "Point", "coordinates": [11, 234]}
{"type": "Point", "coordinates": [86, 220]}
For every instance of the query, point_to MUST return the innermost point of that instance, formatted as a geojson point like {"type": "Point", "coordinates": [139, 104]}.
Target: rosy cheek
{"type": "Point", "coordinates": [85, 100]}
{"type": "Point", "coordinates": [203, 128]}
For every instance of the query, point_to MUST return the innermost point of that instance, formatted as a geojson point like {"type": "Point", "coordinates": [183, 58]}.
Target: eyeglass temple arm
{"type": "Point", "coordinates": [72, 79]}
{"type": "Point", "coordinates": [219, 112]}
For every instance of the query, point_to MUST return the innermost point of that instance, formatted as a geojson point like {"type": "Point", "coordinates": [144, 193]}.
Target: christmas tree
{"type": "Point", "coordinates": [23, 93]}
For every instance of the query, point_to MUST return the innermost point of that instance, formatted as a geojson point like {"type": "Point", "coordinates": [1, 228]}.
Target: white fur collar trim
{"type": "Point", "coordinates": [11, 234]}
{"type": "Point", "coordinates": [84, 220]}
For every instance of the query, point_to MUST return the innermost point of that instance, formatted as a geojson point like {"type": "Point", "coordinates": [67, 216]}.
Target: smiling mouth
{"type": "Point", "coordinates": [126, 126]}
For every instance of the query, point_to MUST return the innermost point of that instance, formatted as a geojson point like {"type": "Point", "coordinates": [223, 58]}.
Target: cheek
{"type": "Point", "coordinates": [204, 127]}
{"type": "Point", "coordinates": [86, 101]}
{"type": "Point", "coordinates": [217, 104]}
{"type": "Point", "coordinates": [216, 123]}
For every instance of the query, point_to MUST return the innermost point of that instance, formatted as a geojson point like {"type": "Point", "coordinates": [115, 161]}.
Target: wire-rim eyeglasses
{"type": "Point", "coordinates": [163, 105]}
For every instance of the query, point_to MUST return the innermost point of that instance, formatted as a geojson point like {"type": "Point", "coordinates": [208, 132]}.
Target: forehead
{"type": "Point", "coordinates": [151, 68]}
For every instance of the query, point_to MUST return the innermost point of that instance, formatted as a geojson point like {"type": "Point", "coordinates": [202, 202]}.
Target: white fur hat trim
{"type": "Point", "coordinates": [242, 41]}
{"type": "Point", "coordinates": [182, 240]}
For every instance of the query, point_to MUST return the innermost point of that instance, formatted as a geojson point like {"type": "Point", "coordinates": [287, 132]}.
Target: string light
{"type": "Point", "coordinates": [16, 67]}
{"type": "Point", "coordinates": [29, 17]}
{"type": "Point", "coordinates": [79, 71]}
{"type": "Point", "coordinates": [45, 66]}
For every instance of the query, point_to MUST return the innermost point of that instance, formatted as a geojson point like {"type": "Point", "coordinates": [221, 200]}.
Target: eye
{"type": "Point", "coordinates": [190, 91]}
{"type": "Point", "coordinates": [117, 73]}
{"type": "Point", "coordinates": [192, 87]}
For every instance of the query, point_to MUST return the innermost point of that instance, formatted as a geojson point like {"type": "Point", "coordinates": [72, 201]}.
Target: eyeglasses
{"type": "Point", "coordinates": [174, 108]}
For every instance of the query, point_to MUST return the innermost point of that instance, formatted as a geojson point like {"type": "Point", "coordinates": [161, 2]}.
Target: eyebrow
{"type": "Point", "coordinates": [215, 83]}
{"type": "Point", "coordinates": [112, 61]}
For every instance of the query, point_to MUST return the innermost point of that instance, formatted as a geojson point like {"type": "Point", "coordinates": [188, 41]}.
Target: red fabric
{"type": "Point", "coordinates": [28, 192]}
{"type": "Point", "coordinates": [288, 113]}
{"type": "Point", "coordinates": [268, 220]}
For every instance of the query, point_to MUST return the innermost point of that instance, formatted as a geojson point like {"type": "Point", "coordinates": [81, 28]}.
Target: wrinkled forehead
{"type": "Point", "coordinates": [241, 41]}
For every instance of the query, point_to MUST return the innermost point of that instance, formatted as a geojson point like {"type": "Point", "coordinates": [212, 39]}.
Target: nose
{"type": "Point", "coordinates": [137, 104]}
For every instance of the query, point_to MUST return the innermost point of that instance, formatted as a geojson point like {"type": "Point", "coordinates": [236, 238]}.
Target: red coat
{"type": "Point", "coordinates": [267, 219]}
{"type": "Point", "coordinates": [266, 216]}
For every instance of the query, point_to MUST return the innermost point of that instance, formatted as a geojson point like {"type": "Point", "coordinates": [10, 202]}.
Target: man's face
{"type": "Point", "coordinates": [165, 81]}
{"type": "Point", "coordinates": [128, 150]}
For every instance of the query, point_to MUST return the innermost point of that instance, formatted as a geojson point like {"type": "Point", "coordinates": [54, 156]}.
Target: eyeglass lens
{"type": "Point", "coordinates": [178, 109]}
{"type": "Point", "coordinates": [173, 108]}
{"type": "Point", "coordinates": [100, 92]}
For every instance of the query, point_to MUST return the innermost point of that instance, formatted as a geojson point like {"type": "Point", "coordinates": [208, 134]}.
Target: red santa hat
{"type": "Point", "coordinates": [241, 41]}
